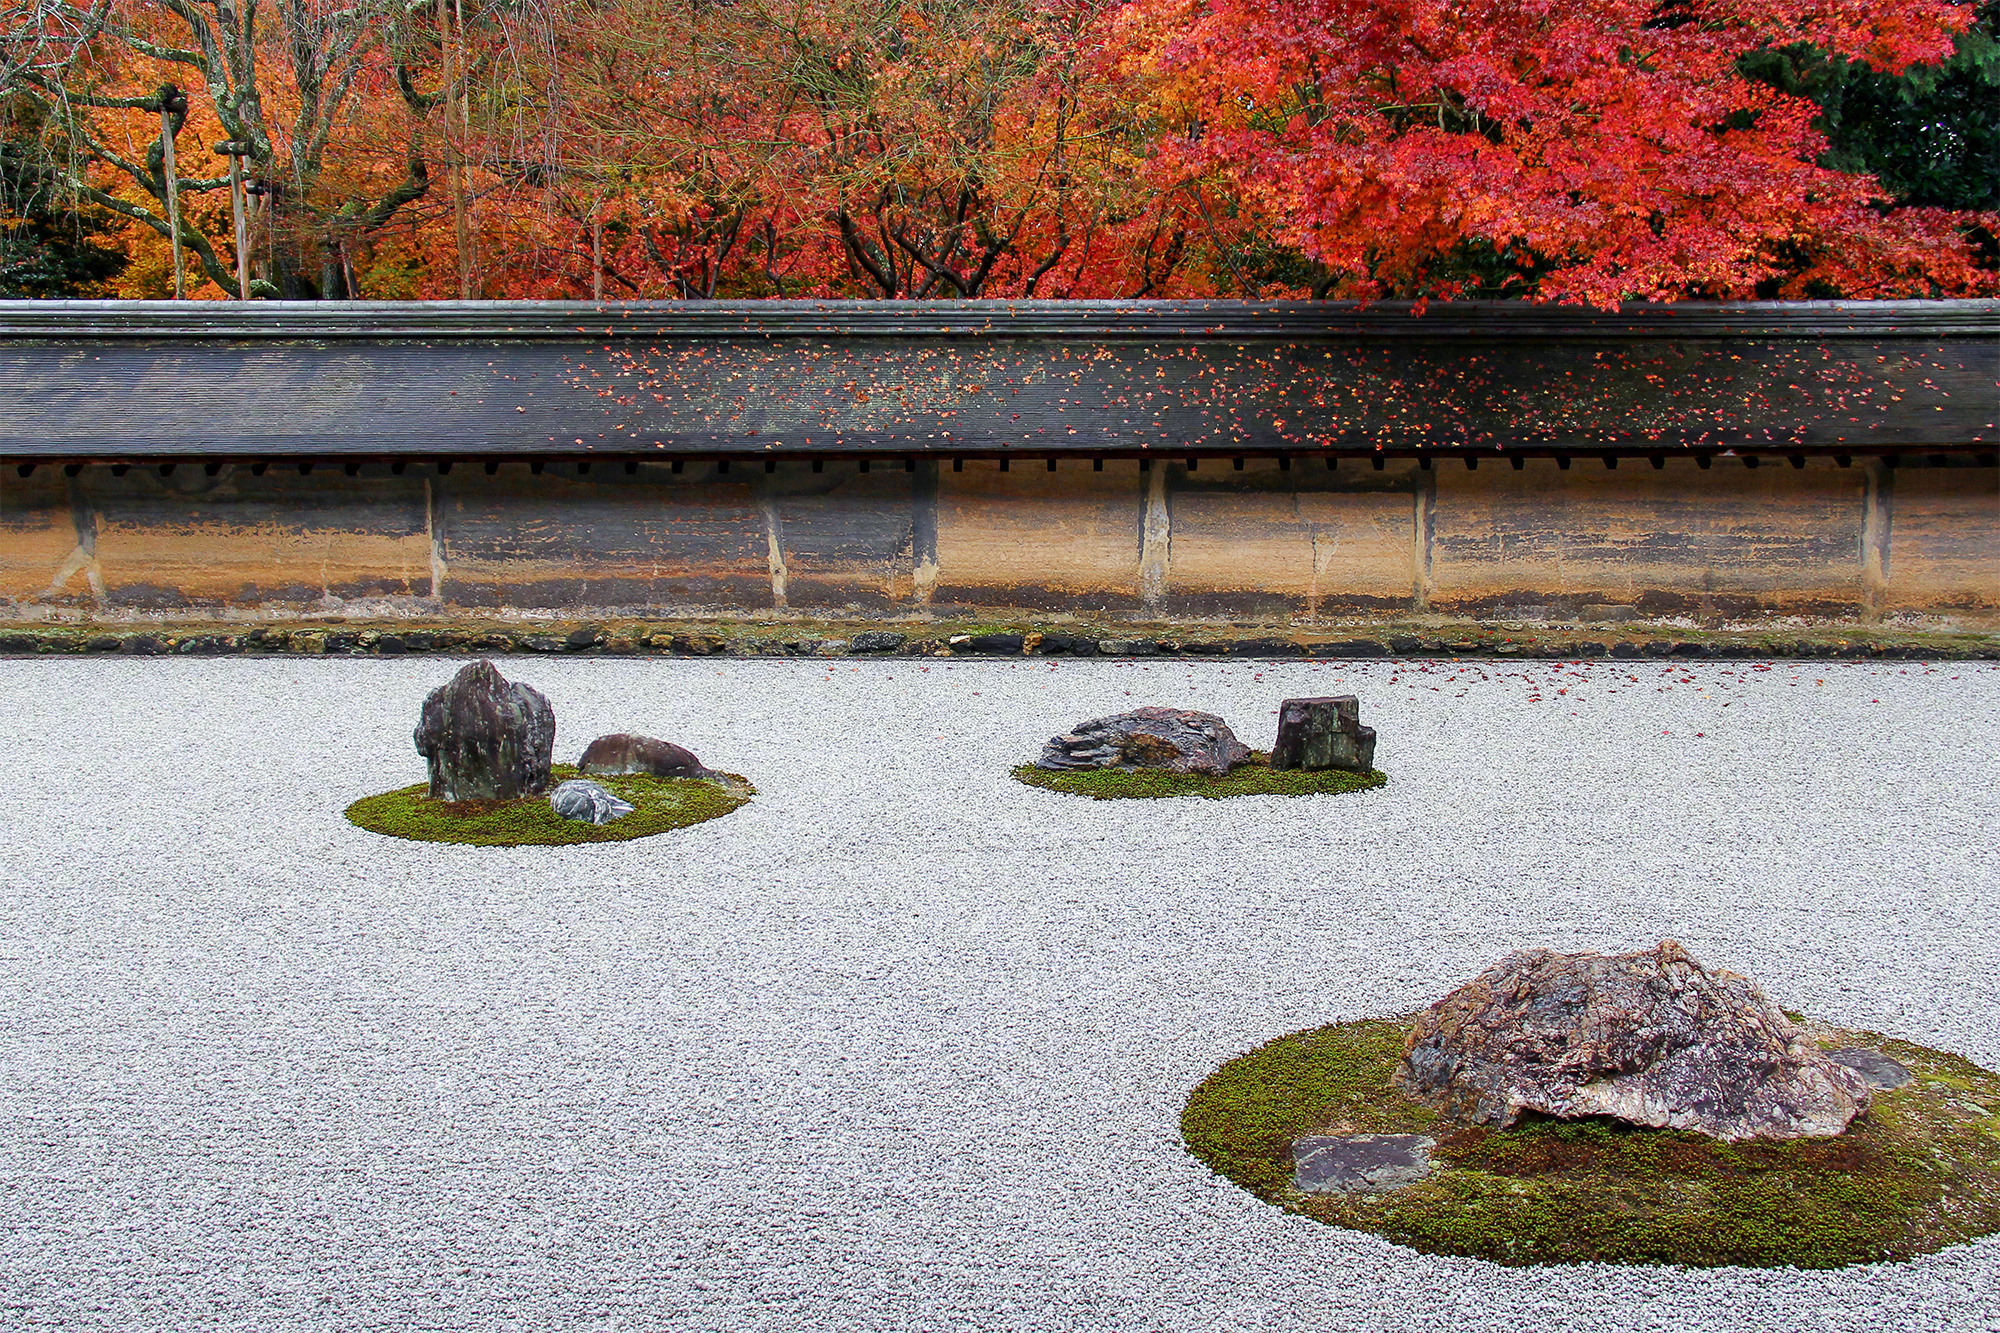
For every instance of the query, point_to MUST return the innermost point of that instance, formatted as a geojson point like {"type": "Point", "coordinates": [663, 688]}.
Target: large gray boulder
{"type": "Point", "coordinates": [1175, 739]}
{"type": "Point", "coordinates": [486, 738]}
{"type": "Point", "coordinates": [1651, 1038]}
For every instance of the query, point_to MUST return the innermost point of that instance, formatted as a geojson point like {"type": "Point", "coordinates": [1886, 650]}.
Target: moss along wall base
{"type": "Point", "coordinates": [1267, 540]}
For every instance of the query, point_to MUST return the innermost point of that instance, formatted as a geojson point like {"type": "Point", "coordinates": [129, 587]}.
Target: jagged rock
{"type": "Point", "coordinates": [1650, 1038]}
{"type": "Point", "coordinates": [1171, 738]}
{"type": "Point", "coordinates": [877, 641]}
{"type": "Point", "coordinates": [1359, 1163]}
{"type": "Point", "coordinates": [1323, 733]}
{"type": "Point", "coordinates": [486, 738]}
{"type": "Point", "coordinates": [580, 800]}
{"type": "Point", "coordinates": [621, 753]}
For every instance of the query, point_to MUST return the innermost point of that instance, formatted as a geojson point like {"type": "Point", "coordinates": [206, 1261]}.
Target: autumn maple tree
{"type": "Point", "coordinates": [1589, 150]}
{"type": "Point", "coordinates": [698, 149]}
{"type": "Point", "coordinates": [110, 81]}
{"type": "Point", "coordinates": [929, 148]}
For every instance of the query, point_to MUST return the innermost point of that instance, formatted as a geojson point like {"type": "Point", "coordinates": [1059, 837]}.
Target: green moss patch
{"type": "Point", "coordinates": [1255, 778]}
{"type": "Point", "coordinates": [662, 804]}
{"type": "Point", "coordinates": [1918, 1171]}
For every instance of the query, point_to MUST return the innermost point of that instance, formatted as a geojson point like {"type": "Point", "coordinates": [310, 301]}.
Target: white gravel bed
{"type": "Point", "coordinates": [903, 1044]}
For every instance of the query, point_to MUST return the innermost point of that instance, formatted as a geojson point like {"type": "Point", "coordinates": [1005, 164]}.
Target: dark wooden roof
{"type": "Point", "coordinates": [136, 380]}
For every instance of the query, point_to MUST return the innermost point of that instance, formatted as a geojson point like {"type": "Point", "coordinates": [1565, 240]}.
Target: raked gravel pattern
{"type": "Point", "coordinates": [902, 1044]}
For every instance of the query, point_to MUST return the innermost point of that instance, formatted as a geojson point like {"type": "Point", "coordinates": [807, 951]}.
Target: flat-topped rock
{"type": "Point", "coordinates": [486, 738]}
{"type": "Point", "coordinates": [1650, 1038]}
{"type": "Point", "coordinates": [1359, 1163]}
{"type": "Point", "coordinates": [1880, 1071]}
{"type": "Point", "coordinates": [1176, 739]}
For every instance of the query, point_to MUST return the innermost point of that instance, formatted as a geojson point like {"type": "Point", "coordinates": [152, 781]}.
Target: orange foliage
{"type": "Point", "coordinates": [1591, 150]}
{"type": "Point", "coordinates": [944, 148]}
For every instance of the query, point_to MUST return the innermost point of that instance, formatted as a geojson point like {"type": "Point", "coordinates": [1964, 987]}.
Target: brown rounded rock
{"type": "Point", "coordinates": [623, 753]}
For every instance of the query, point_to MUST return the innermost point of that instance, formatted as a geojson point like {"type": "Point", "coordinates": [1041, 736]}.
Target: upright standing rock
{"type": "Point", "coordinates": [486, 738]}
{"type": "Point", "coordinates": [1323, 733]}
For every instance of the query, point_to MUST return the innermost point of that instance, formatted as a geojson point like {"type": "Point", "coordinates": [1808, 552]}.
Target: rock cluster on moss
{"type": "Point", "coordinates": [1158, 752]}
{"type": "Point", "coordinates": [1918, 1173]}
{"type": "Point", "coordinates": [488, 742]}
{"type": "Point", "coordinates": [660, 805]}
{"type": "Point", "coordinates": [1252, 779]}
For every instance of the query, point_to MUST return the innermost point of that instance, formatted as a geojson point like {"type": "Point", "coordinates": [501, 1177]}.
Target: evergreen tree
{"type": "Point", "coordinates": [1930, 135]}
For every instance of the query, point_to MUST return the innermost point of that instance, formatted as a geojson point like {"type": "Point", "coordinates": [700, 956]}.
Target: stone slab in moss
{"type": "Point", "coordinates": [661, 805]}
{"type": "Point", "coordinates": [1253, 779]}
{"type": "Point", "coordinates": [1919, 1171]}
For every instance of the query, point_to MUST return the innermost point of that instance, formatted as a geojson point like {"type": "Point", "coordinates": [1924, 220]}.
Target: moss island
{"type": "Point", "coordinates": [1256, 778]}
{"type": "Point", "coordinates": [661, 805]}
{"type": "Point", "coordinates": [1918, 1171]}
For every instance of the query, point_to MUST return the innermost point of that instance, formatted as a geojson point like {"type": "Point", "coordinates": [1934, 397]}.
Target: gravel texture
{"type": "Point", "coordinates": [902, 1044]}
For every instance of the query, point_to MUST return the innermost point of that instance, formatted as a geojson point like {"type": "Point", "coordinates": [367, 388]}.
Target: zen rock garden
{"type": "Point", "coordinates": [1321, 748]}
{"type": "Point", "coordinates": [1637, 1108]}
{"type": "Point", "coordinates": [490, 744]}
{"type": "Point", "coordinates": [1557, 1108]}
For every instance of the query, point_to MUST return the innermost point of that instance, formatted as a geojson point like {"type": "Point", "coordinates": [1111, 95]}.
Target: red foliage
{"type": "Point", "coordinates": [1580, 150]}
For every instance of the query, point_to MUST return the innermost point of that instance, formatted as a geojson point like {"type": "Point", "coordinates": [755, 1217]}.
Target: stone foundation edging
{"type": "Point", "coordinates": [390, 640]}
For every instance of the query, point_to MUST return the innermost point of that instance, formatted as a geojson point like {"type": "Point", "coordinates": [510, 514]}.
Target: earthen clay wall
{"type": "Point", "coordinates": [1267, 539]}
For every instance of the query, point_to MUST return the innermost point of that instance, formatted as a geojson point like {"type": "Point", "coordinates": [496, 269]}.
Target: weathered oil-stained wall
{"type": "Point", "coordinates": [1032, 537]}
{"type": "Point", "coordinates": [1735, 539]}
{"type": "Point", "coordinates": [1267, 539]}
{"type": "Point", "coordinates": [1939, 538]}
{"type": "Point", "coordinates": [147, 542]}
{"type": "Point", "coordinates": [1305, 541]}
